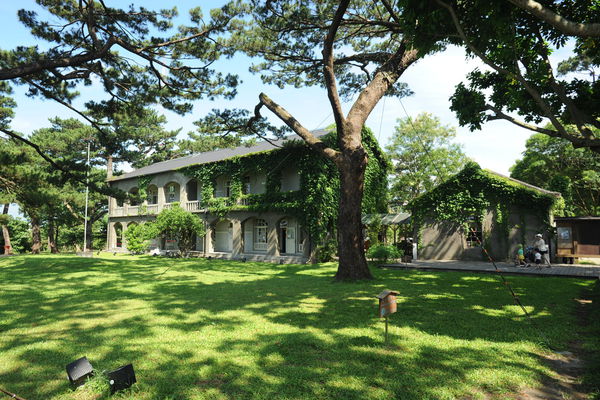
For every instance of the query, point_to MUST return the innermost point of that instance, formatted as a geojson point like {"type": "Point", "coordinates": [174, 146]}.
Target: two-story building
{"type": "Point", "coordinates": [273, 201]}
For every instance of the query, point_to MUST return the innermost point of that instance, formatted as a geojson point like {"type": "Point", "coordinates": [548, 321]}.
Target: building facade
{"type": "Point", "coordinates": [262, 202]}
{"type": "Point", "coordinates": [477, 207]}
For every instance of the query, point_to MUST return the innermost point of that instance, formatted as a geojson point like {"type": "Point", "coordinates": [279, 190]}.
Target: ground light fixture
{"type": "Point", "coordinates": [79, 370]}
{"type": "Point", "coordinates": [121, 378]}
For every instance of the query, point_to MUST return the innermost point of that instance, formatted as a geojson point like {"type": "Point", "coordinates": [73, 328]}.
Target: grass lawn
{"type": "Point", "coordinates": [231, 330]}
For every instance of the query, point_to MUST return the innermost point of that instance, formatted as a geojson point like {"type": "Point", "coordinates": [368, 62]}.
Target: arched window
{"type": "Point", "coordinates": [172, 193]}
{"type": "Point", "coordinates": [260, 234]}
{"type": "Point", "coordinates": [118, 235]}
{"type": "Point", "coordinates": [192, 190]}
{"type": "Point", "coordinates": [152, 197]}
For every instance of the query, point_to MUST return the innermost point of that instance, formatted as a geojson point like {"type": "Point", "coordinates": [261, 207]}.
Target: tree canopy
{"type": "Point", "coordinates": [516, 46]}
{"type": "Point", "coordinates": [554, 164]}
{"type": "Point", "coordinates": [422, 156]}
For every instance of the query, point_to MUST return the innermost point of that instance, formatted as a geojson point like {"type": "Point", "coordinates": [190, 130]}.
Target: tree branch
{"type": "Point", "coordinates": [54, 164]}
{"type": "Point", "coordinates": [383, 79]}
{"type": "Point", "coordinates": [297, 127]}
{"type": "Point", "coordinates": [328, 65]}
{"type": "Point", "coordinates": [562, 24]}
{"type": "Point", "coordinates": [38, 66]}
{"type": "Point", "coordinates": [577, 141]}
{"type": "Point", "coordinates": [547, 112]}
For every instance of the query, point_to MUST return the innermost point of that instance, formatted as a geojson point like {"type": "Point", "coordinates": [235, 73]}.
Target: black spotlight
{"type": "Point", "coordinates": [121, 378]}
{"type": "Point", "coordinates": [78, 370]}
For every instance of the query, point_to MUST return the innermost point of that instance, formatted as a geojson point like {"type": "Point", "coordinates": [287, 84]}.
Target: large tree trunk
{"type": "Point", "coordinates": [352, 262]}
{"type": "Point", "coordinates": [52, 236]}
{"type": "Point", "coordinates": [36, 237]}
{"type": "Point", "coordinates": [6, 233]}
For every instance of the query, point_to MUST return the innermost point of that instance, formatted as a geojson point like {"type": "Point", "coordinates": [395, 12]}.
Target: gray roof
{"type": "Point", "coordinates": [212, 156]}
{"type": "Point", "coordinates": [386, 219]}
{"type": "Point", "coordinates": [529, 185]}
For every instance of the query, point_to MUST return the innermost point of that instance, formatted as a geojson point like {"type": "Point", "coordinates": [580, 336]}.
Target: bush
{"type": "Point", "coordinates": [181, 225]}
{"type": "Point", "coordinates": [138, 237]}
{"type": "Point", "coordinates": [326, 251]}
{"type": "Point", "coordinates": [20, 236]}
{"type": "Point", "coordinates": [383, 253]}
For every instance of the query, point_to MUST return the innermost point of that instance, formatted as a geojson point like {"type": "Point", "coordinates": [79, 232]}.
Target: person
{"type": "Point", "coordinates": [541, 248]}
{"type": "Point", "coordinates": [520, 261]}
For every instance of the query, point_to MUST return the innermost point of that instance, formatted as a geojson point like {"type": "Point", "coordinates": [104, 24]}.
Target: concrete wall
{"type": "Point", "coordinates": [440, 240]}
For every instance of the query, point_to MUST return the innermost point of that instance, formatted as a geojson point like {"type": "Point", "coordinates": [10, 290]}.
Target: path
{"type": "Point", "coordinates": [559, 270]}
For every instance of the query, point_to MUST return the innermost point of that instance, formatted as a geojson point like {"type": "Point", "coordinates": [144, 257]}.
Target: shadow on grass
{"type": "Point", "coordinates": [187, 329]}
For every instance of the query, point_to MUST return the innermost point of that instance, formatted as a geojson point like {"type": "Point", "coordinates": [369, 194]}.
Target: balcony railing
{"type": "Point", "coordinates": [133, 210]}
{"type": "Point", "coordinates": [192, 205]}
{"type": "Point", "coordinates": [153, 209]}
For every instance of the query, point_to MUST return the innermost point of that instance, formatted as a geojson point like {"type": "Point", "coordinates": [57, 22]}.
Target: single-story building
{"type": "Point", "coordinates": [477, 207]}
{"type": "Point", "coordinates": [577, 237]}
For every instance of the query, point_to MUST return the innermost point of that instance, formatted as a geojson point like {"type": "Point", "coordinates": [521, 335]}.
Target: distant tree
{"type": "Point", "coordinates": [422, 156]}
{"type": "Point", "coordinates": [554, 164]}
{"type": "Point", "coordinates": [179, 224]}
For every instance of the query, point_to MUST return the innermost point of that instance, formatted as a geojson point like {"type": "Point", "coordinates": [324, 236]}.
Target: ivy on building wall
{"type": "Point", "coordinates": [473, 191]}
{"type": "Point", "coordinates": [315, 204]}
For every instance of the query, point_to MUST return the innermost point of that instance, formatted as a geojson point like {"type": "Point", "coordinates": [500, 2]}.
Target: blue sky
{"type": "Point", "coordinates": [432, 79]}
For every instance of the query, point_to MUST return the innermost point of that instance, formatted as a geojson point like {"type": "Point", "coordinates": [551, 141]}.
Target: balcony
{"type": "Point", "coordinates": [192, 206]}
{"type": "Point", "coordinates": [153, 209]}
{"type": "Point", "coordinates": [133, 210]}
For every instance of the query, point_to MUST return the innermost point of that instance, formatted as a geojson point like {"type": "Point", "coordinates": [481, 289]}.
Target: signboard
{"type": "Point", "coordinates": [564, 237]}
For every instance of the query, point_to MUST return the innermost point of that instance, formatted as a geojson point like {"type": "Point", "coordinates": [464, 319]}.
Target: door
{"type": "Point", "coordinates": [283, 241]}
{"type": "Point", "coordinates": [290, 240]}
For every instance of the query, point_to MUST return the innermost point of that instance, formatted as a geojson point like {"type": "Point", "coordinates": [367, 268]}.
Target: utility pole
{"type": "Point", "coordinates": [87, 190]}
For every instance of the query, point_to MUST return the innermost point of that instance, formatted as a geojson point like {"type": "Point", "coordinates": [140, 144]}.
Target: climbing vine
{"type": "Point", "coordinates": [315, 204]}
{"type": "Point", "coordinates": [473, 191]}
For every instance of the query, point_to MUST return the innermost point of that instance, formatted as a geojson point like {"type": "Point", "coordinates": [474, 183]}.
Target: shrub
{"type": "Point", "coordinates": [181, 225]}
{"type": "Point", "coordinates": [326, 251]}
{"type": "Point", "coordinates": [381, 253]}
{"type": "Point", "coordinates": [138, 237]}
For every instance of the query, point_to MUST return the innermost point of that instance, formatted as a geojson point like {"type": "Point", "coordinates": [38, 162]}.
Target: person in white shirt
{"type": "Point", "coordinates": [541, 247]}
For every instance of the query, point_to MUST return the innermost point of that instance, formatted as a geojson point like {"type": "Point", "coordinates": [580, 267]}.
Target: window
{"type": "Point", "coordinates": [192, 190]}
{"type": "Point", "coordinates": [152, 195]}
{"type": "Point", "coordinates": [260, 234]}
{"type": "Point", "coordinates": [171, 195]}
{"type": "Point", "coordinates": [474, 233]}
{"type": "Point", "coordinates": [246, 185]}
{"type": "Point", "coordinates": [227, 188]}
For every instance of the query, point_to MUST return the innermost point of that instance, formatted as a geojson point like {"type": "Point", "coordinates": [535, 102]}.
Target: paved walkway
{"type": "Point", "coordinates": [561, 270]}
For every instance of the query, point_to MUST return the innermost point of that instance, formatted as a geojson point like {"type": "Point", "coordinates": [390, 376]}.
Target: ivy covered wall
{"type": "Point", "coordinates": [507, 210]}
{"type": "Point", "coordinates": [314, 205]}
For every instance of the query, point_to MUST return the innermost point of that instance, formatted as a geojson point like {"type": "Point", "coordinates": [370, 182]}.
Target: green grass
{"type": "Point", "coordinates": [230, 330]}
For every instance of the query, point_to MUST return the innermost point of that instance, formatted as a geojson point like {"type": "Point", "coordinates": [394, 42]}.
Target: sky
{"type": "Point", "coordinates": [496, 147]}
